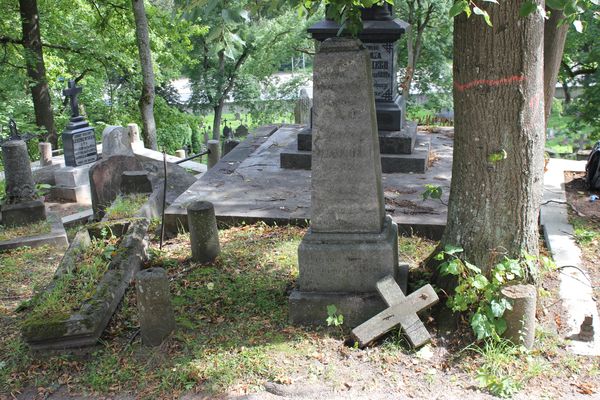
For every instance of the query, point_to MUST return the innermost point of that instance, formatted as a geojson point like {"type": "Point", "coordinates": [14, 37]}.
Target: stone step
{"type": "Point", "coordinates": [390, 142]}
{"type": "Point", "coordinates": [390, 163]}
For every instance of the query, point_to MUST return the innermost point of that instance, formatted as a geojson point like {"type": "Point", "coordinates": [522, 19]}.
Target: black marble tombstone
{"type": "Point", "coordinates": [79, 139]}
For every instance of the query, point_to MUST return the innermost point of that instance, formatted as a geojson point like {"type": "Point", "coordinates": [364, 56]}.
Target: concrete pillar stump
{"type": "Point", "coordinates": [154, 306]}
{"type": "Point", "coordinates": [180, 153]}
{"type": "Point", "coordinates": [213, 156]}
{"type": "Point", "coordinates": [45, 153]}
{"type": "Point", "coordinates": [204, 235]}
{"type": "Point", "coordinates": [520, 321]}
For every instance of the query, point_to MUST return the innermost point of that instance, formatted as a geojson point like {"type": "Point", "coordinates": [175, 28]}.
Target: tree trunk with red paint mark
{"type": "Point", "coordinates": [499, 135]}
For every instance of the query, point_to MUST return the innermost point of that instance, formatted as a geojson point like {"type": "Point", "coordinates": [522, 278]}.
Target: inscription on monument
{"type": "Point", "coordinates": [84, 147]}
{"type": "Point", "coordinates": [382, 66]}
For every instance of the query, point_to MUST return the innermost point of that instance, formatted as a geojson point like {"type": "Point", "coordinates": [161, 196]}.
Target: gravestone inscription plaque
{"type": "Point", "coordinates": [382, 65]}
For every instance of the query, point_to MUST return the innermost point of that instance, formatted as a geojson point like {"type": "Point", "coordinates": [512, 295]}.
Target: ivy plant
{"type": "Point", "coordinates": [479, 295]}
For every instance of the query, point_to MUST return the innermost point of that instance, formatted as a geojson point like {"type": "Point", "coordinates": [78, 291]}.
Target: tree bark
{"type": "Point", "coordinates": [146, 102]}
{"type": "Point", "coordinates": [218, 109]}
{"type": "Point", "coordinates": [499, 135]}
{"type": "Point", "coordinates": [36, 69]}
{"type": "Point", "coordinates": [554, 45]}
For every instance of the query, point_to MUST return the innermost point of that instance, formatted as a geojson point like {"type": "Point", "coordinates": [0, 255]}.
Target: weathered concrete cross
{"type": "Point", "coordinates": [402, 310]}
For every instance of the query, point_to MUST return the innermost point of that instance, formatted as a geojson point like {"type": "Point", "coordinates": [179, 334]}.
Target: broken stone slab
{"type": "Point", "coordinates": [105, 180]}
{"type": "Point", "coordinates": [23, 213]}
{"type": "Point", "coordinates": [402, 310]}
{"type": "Point", "coordinates": [84, 327]}
{"type": "Point", "coordinates": [56, 238]}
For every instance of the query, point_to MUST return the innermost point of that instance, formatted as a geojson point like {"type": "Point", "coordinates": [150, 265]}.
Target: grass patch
{"type": "Point", "coordinates": [23, 270]}
{"type": "Point", "coordinates": [503, 369]}
{"type": "Point", "coordinates": [587, 232]}
{"type": "Point", "coordinates": [71, 289]}
{"type": "Point", "coordinates": [13, 232]}
{"type": "Point", "coordinates": [125, 206]}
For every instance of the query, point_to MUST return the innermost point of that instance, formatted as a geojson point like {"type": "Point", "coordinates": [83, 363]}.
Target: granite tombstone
{"type": "Point", "coordinates": [351, 243]}
{"type": "Point", "coordinates": [79, 139]}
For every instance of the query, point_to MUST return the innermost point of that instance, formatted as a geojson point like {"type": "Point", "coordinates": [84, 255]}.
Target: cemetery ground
{"type": "Point", "coordinates": [233, 339]}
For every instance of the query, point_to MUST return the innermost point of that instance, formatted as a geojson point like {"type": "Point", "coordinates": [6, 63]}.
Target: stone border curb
{"type": "Point", "coordinates": [575, 291]}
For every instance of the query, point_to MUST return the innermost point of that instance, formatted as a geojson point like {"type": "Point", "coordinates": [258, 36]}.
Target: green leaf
{"type": "Point", "coordinates": [497, 156]}
{"type": "Point", "coordinates": [439, 256]}
{"type": "Point", "coordinates": [527, 8]}
{"type": "Point", "coordinates": [453, 267]}
{"type": "Point", "coordinates": [478, 11]}
{"type": "Point", "coordinates": [480, 282]}
{"type": "Point", "coordinates": [449, 249]}
{"type": "Point", "coordinates": [472, 267]}
{"type": "Point", "coordinates": [457, 8]}
{"type": "Point", "coordinates": [497, 308]}
{"type": "Point", "coordinates": [487, 18]}
{"type": "Point", "coordinates": [481, 326]}
{"type": "Point", "coordinates": [331, 309]}
{"type": "Point", "coordinates": [556, 4]}
{"type": "Point", "coordinates": [500, 325]}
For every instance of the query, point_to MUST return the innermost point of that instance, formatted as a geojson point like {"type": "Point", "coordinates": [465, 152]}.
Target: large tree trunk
{"type": "Point", "coordinates": [146, 102]}
{"type": "Point", "coordinates": [499, 135]}
{"type": "Point", "coordinates": [554, 45]}
{"type": "Point", "coordinates": [36, 70]}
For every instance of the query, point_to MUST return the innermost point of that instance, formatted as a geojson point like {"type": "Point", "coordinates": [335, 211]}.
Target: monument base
{"type": "Point", "coordinates": [24, 213]}
{"type": "Point", "coordinates": [72, 184]}
{"type": "Point", "coordinates": [310, 308]}
{"type": "Point", "coordinates": [343, 269]}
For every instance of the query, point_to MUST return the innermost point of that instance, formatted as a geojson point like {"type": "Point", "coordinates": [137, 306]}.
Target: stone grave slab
{"type": "Point", "coordinates": [249, 185]}
{"type": "Point", "coordinates": [57, 237]}
{"type": "Point", "coordinates": [84, 327]}
{"type": "Point", "coordinates": [402, 310]}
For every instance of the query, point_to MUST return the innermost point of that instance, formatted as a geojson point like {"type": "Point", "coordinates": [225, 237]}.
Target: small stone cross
{"type": "Point", "coordinates": [401, 310]}
{"type": "Point", "coordinates": [72, 93]}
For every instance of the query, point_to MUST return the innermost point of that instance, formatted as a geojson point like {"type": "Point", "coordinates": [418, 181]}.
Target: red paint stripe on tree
{"type": "Point", "coordinates": [489, 82]}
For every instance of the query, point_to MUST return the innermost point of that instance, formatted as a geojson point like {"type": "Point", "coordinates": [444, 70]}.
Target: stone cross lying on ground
{"type": "Point", "coordinates": [402, 310]}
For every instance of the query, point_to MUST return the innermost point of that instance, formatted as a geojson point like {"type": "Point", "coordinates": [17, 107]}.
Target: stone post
{"type": "Point", "coordinates": [204, 235]}
{"type": "Point", "coordinates": [180, 153]}
{"type": "Point", "coordinates": [213, 156]}
{"type": "Point", "coordinates": [45, 153]}
{"type": "Point", "coordinates": [154, 306]}
{"type": "Point", "coordinates": [134, 134]}
{"type": "Point", "coordinates": [520, 321]}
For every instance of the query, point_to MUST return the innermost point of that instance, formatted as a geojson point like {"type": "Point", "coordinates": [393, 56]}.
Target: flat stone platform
{"type": "Point", "coordinates": [248, 185]}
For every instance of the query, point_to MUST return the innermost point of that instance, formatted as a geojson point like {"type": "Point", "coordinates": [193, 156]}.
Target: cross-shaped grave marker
{"type": "Point", "coordinates": [72, 93]}
{"type": "Point", "coordinates": [401, 310]}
